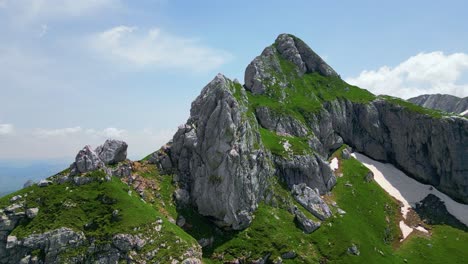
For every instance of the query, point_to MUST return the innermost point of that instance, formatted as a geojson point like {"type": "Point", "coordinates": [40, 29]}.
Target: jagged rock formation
{"type": "Point", "coordinates": [219, 157]}
{"type": "Point", "coordinates": [444, 102]}
{"type": "Point", "coordinates": [110, 153]}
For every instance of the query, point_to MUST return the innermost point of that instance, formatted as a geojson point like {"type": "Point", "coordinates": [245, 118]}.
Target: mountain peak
{"type": "Point", "coordinates": [267, 69]}
{"type": "Point", "coordinates": [298, 52]}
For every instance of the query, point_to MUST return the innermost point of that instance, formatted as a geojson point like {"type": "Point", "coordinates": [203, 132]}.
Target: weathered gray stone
{"type": "Point", "coordinates": [182, 197]}
{"type": "Point", "coordinates": [122, 171]}
{"type": "Point", "coordinates": [283, 124]}
{"type": "Point", "coordinates": [180, 221]}
{"type": "Point", "coordinates": [311, 201]}
{"type": "Point", "coordinates": [32, 212]}
{"type": "Point", "coordinates": [86, 160]}
{"type": "Point", "coordinates": [82, 180]}
{"type": "Point", "coordinates": [218, 156]}
{"type": "Point", "coordinates": [309, 169]}
{"type": "Point", "coordinates": [289, 255]}
{"type": "Point", "coordinates": [13, 207]}
{"type": "Point", "coordinates": [15, 198]}
{"type": "Point", "coordinates": [192, 261]}
{"type": "Point", "coordinates": [354, 250]}
{"type": "Point", "coordinates": [44, 183]}
{"type": "Point", "coordinates": [124, 242]}
{"type": "Point", "coordinates": [12, 241]}
{"type": "Point", "coordinates": [307, 225]}
{"type": "Point", "coordinates": [346, 153]}
{"type": "Point", "coordinates": [112, 152]}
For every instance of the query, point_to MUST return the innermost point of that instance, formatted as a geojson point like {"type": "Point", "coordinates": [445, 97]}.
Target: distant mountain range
{"type": "Point", "coordinates": [444, 102]}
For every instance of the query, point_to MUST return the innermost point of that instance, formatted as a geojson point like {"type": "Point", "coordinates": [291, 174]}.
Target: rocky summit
{"type": "Point", "coordinates": [261, 172]}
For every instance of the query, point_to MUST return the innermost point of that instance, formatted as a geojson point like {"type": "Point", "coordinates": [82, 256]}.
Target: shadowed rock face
{"type": "Point", "coordinates": [444, 102]}
{"type": "Point", "coordinates": [431, 150]}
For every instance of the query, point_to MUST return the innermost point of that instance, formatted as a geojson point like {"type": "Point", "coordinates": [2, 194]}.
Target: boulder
{"type": "Point", "coordinates": [124, 242]}
{"type": "Point", "coordinates": [44, 183]}
{"type": "Point", "coordinates": [15, 198]}
{"type": "Point", "coordinates": [307, 225]}
{"type": "Point", "coordinates": [354, 250]}
{"type": "Point", "coordinates": [112, 151]}
{"type": "Point", "coordinates": [289, 255]}
{"type": "Point", "coordinates": [32, 212]}
{"type": "Point", "coordinates": [311, 201]}
{"type": "Point", "coordinates": [86, 160]}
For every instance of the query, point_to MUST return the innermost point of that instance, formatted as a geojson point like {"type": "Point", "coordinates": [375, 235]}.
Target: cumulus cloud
{"type": "Point", "coordinates": [425, 73]}
{"type": "Point", "coordinates": [6, 129]}
{"type": "Point", "coordinates": [156, 47]}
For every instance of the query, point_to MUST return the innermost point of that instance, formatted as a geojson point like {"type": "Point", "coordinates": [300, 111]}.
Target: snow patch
{"type": "Point", "coordinates": [405, 229]}
{"type": "Point", "coordinates": [409, 191]}
{"type": "Point", "coordinates": [334, 164]}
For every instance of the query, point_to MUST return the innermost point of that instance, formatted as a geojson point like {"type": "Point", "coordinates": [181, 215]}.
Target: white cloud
{"type": "Point", "coordinates": [110, 132]}
{"type": "Point", "coordinates": [156, 48]}
{"type": "Point", "coordinates": [66, 142]}
{"type": "Point", "coordinates": [425, 73]}
{"type": "Point", "coordinates": [6, 129]}
{"type": "Point", "coordinates": [31, 10]}
{"type": "Point", "coordinates": [57, 132]}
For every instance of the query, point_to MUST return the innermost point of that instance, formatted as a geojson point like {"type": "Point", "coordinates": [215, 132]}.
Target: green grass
{"type": "Point", "coordinates": [447, 245]}
{"type": "Point", "coordinates": [367, 206]}
{"type": "Point", "coordinates": [274, 142]}
{"type": "Point", "coordinates": [273, 231]}
{"type": "Point", "coordinates": [88, 207]}
{"type": "Point", "coordinates": [414, 108]}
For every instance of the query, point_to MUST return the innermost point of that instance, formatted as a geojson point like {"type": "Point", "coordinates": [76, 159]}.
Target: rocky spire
{"type": "Point", "coordinates": [265, 70]}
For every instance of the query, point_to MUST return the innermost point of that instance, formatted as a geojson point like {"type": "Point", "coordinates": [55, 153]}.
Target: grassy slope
{"type": "Point", "coordinates": [89, 208]}
{"type": "Point", "coordinates": [370, 222]}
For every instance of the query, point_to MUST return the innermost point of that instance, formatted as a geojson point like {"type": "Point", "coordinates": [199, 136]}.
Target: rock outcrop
{"type": "Point", "coordinates": [218, 156]}
{"type": "Point", "coordinates": [112, 152]}
{"type": "Point", "coordinates": [444, 102]}
{"type": "Point", "coordinates": [311, 201]}
{"type": "Point", "coordinates": [86, 160]}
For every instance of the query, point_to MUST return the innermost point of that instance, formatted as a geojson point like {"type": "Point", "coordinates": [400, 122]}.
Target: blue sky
{"type": "Point", "coordinates": [77, 72]}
